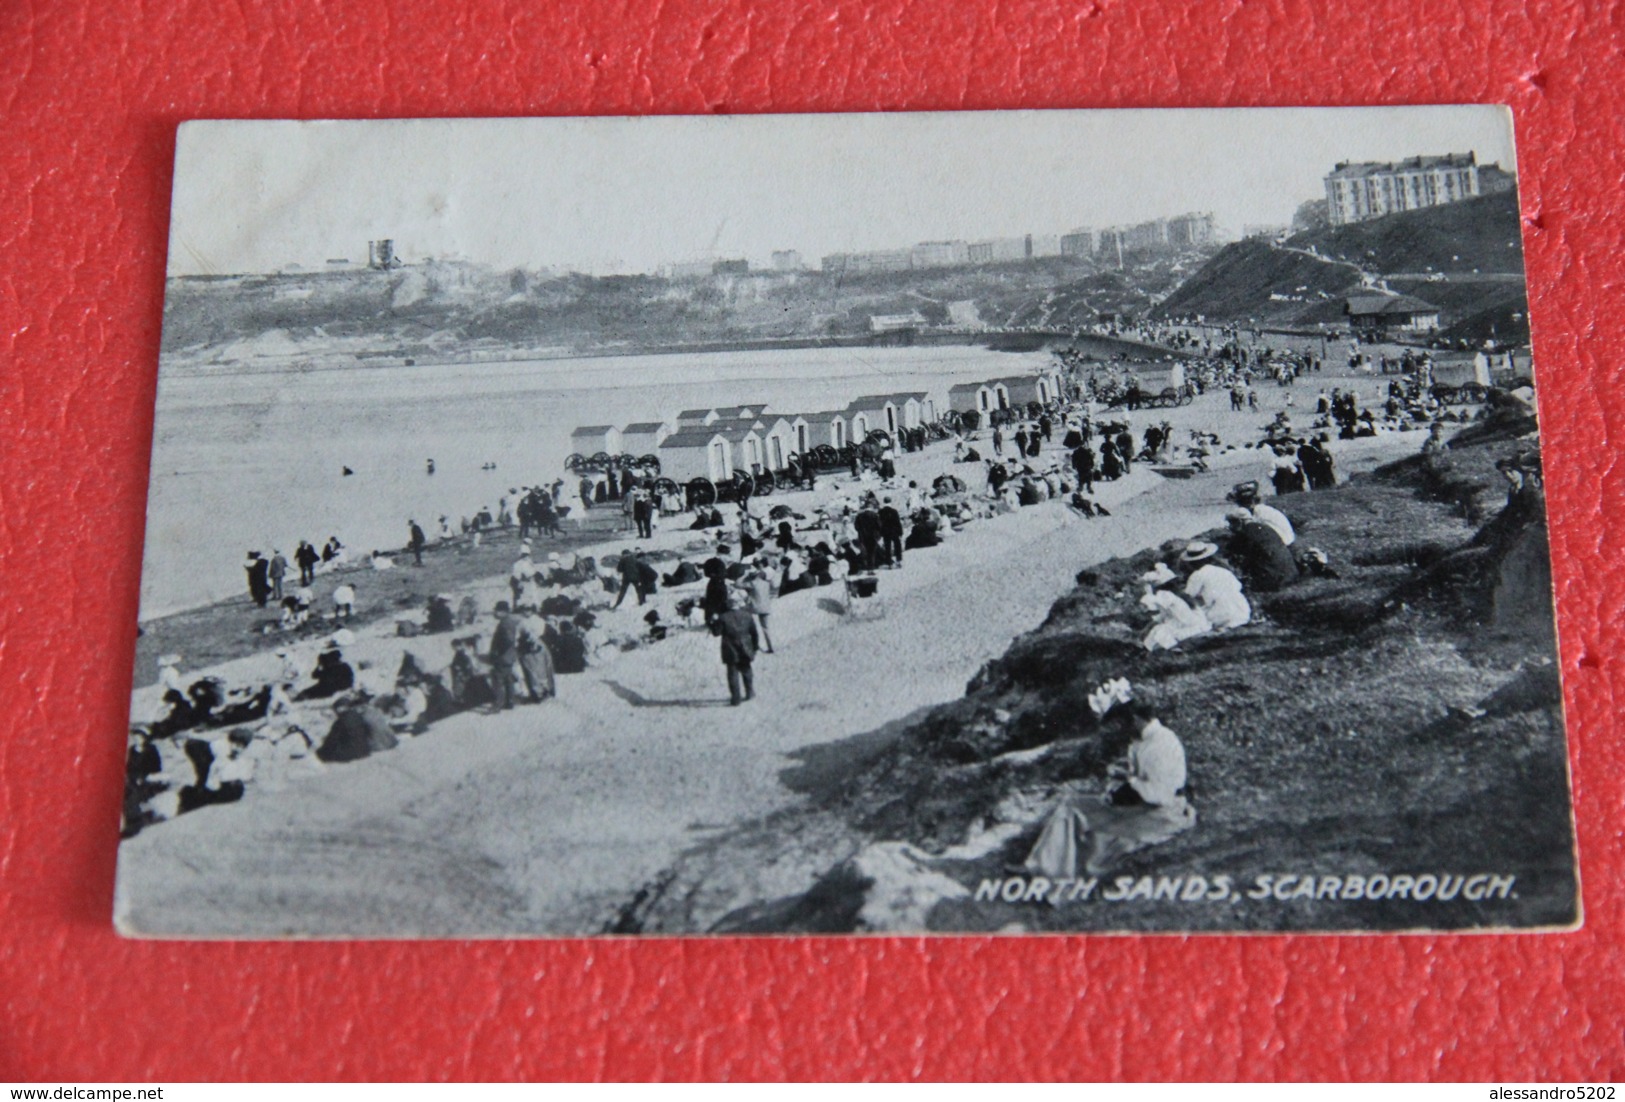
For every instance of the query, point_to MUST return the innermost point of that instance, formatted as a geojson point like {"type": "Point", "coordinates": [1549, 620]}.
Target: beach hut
{"type": "Point", "coordinates": [972, 398]}
{"type": "Point", "coordinates": [748, 412]}
{"type": "Point", "coordinates": [815, 430]}
{"type": "Point", "coordinates": [781, 441]}
{"type": "Point", "coordinates": [912, 408]}
{"type": "Point", "coordinates": [692, 419]}
{"type": "Point", "coordinates": [701, 453]}
{"type": "Point", "coordinates": [1021, 389]}
{"type": "Point", "coordinates": [873, 411]}
{"type": "Point", "coordinates": [592, 439]}
{"type": "Point", "coordinates": [643, 437]}
{"type": "Point", "coordinates": [745, 437]}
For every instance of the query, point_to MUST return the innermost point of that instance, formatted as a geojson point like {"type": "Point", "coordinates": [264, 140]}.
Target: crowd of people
{"type": "Point", "coordinates": [563, 612]}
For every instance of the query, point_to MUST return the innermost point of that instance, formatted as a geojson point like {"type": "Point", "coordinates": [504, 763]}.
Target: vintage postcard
{"type": "Point", "coordinates": [1018, 522]}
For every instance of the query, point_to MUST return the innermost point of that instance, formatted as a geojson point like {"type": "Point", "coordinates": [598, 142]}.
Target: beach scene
{"type": "Point", "coordinates": [949, 565]}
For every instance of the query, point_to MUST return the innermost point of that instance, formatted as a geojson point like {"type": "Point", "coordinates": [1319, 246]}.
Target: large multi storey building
{"type": "Point", "coordinates": [1000, 250]}
{"type": "Point", "coordinates": [1369, 189]}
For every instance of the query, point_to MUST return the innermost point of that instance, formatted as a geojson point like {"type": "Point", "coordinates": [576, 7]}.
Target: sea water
{"type": "Point", "coordinates": [254, 459]}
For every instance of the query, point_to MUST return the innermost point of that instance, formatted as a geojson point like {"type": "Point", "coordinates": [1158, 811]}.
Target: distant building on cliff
{"type": "Point", "coordinates": [1080, 242]}
{"type": "Point", "coordinates": [1189, 231]}
{"type": "Point", "coordinates": [1000, 250]}
{"type": "Point", "coordinates": [381, 254]}
{"type": "Point", "coordinates": [1358, 192]}
{"type": "Point", "coordinates": [939, 254]}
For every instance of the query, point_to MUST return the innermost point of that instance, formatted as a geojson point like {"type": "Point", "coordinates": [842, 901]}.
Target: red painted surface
{"type": "Point", "coordinates": [91, 95]}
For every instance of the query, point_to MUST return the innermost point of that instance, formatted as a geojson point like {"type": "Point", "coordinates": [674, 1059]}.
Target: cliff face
{"type": "Point", "coordinates": [465, 307]}
{"type": "Point", "coordinates": [1401, 718]}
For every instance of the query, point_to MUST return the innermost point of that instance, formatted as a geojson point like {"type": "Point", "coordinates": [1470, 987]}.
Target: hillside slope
{"type": "Point", "coordinates": [1403, 718]}
{"type": "Point", "coordinates": [1466, 258]}
{"type": "Point", "coordinates": [460, 309]}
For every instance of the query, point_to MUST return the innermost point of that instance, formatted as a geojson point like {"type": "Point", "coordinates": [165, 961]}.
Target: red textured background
{"type": "Point", "coordinates": [91, 94]}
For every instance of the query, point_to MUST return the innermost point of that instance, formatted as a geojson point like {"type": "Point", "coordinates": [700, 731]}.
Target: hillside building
{"type": "Point", "coordinates": [896, 323]}
{"type": "Point", "coordinates": [1359, 192]}
{"type": "Point", "coordinates": [1378, 314]}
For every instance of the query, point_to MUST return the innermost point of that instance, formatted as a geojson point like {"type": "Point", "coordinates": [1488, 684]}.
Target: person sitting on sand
{"type": "Point", "coordinates": [295, 612]}
{"type": "Point", "coordinates": [359, 730]}
{"type": "Point", "coordinates": [333, 675]}
{"type": "Point", "coordinates": [1212, 588]}
{"type": "Point", "coordinates": [568, 647]}
{"type": "Point", "coordinates": [470, 688]}
{"type": "Point", "coordinates": [1144, 804]}
{"type": "Point", "coordinates": [440, 618]}
{"type": "Point", "coordinates": [924, 531]}
{"type": "Point", "coordinates": [819, 564]}
{"type": "Point", "coordinates": [794, 574]}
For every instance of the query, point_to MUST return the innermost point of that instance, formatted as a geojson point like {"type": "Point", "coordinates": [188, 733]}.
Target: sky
{"type": "Point", "coordinates": [632, 194]}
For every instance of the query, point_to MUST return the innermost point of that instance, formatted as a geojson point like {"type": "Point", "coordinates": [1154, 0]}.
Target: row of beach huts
{"type": "Point", "coordinates": [713, 443]}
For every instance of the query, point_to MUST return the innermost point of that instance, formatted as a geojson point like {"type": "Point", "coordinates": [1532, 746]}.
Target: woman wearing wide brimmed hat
{"type": "Point", "coordinates": [1212, 588]}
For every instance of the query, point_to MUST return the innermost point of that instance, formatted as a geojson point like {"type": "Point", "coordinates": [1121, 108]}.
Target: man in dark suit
{"type": "Point", "coordinates": [867, 524]}
{"type": "Point", "coordinates": [1083, 462]}
{"type": "Point", "coordinates": [891, 534]}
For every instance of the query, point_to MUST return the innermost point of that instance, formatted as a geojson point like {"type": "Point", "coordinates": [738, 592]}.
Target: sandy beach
{"type": "Point", "coordinates": [547, 819]}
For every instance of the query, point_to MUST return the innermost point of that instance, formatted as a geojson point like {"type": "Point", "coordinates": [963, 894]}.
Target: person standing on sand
{"type": "Point", "coordinates": [417, 541]}
{"type": "Point", "coordinates": [761, 602]}
{"type": "Point", "coordinates": [737, 629]}
{"type": "Point", "coordinates": [891, 534]}
{"type": "Point", "coordinates": [259, 583]}
{"type": "Point", "coordinates": [276, 571]}
{"type": "Point", "coordinates": [1125, 450]}
{"type": "Point", "coordinates": [306, 558]}
{"type": "Point", "coordinates": [627, 567]}
{"type": "Point", "coordinates": [867, 525]}
{"type": "Point", "coordinates": [715, 601]}
{"type": "Point", "coordinates": [504, 657]}
{"type": "Point", "coordinates": [998, 442]}
{"type": "Point", "coordinates": [1083, 462]}
{"type": "Point", "coordinates": [535, 661]}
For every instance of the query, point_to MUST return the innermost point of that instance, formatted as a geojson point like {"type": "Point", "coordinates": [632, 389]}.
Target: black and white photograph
{"type": "Point", "coordinates": [969, 522]}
